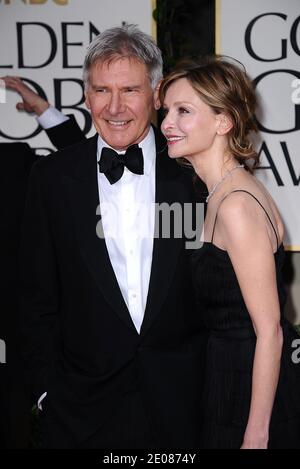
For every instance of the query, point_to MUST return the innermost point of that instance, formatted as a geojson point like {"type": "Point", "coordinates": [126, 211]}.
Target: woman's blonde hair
{"type": "Point", "coordinates": [226, 88]}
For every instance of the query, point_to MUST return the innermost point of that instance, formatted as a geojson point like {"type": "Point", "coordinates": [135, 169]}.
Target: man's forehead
{"type": "Point", "coordinates": [126, 70]}
{"type": "Point", "coordinates": [119, 62]}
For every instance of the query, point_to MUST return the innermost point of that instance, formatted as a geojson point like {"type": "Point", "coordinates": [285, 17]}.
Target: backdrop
{"type": "Point", "coordinates": [265, 37]}
{"type": "Point", "coordinates": [45, 41]}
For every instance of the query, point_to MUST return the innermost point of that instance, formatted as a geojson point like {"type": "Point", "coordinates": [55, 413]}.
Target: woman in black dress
{"type": "Point", "coordinates": [252, 385]}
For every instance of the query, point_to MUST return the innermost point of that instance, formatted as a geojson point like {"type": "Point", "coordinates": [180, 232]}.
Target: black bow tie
{"type": "Point", "coordinates": [112, 164]}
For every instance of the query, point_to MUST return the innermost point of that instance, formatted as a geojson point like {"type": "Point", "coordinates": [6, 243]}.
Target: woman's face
{"type": "Point", "coordinates": [190, 126]}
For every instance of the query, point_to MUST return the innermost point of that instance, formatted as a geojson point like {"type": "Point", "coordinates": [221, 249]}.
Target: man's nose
{"type": "Point", "coordinates": [116, 104]}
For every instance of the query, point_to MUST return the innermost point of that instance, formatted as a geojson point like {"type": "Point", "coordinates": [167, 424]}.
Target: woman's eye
{"type": "Point", "coordinates": [164, 111]}
{"type": "Point", "coordinates": [183, 110]}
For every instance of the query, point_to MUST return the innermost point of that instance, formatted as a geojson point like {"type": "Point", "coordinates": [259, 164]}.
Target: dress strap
{"type": "Point", "coordinates": [242, 190]}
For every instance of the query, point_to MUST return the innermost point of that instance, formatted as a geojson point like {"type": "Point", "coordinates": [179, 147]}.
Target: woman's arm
{"type": "Point", "coordinates": [249, 239]}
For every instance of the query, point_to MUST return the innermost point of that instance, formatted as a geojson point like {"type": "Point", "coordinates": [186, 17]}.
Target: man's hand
{"type": "Point", "coordinates": [31, 101]}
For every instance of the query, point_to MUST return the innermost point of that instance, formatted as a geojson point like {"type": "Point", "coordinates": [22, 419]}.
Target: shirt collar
{"type": "Point", "coordinates": [147, 145]}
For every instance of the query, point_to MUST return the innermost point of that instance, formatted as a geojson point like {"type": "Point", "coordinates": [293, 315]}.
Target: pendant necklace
{"type": "Point", "coordinates": [211, 193]}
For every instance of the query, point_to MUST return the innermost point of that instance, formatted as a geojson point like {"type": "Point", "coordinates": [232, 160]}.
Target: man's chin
{"type": "Point", "coordinates": [118, 144]}
{"type": "Point", "coordinates": [114, 140]}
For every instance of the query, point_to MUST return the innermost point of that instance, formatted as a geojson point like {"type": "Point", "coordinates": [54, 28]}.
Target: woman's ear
{"type": "Point", "coordinates": [224, 124]}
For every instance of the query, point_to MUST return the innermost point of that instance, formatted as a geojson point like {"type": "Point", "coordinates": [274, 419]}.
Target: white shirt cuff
{"type": "Point", "coordinates": [51, 117]}
{"type": "Point", "coordinates": [39, 404]}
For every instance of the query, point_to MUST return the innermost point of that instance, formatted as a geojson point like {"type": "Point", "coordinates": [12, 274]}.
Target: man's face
{"type": "Point", "coordinates": [121, 101]}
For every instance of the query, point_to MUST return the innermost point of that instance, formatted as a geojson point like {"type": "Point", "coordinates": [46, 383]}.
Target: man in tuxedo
{"type": "Point", "coordinates": [111, 335]}
{"type": "Point", "coordinates": [16, 162]}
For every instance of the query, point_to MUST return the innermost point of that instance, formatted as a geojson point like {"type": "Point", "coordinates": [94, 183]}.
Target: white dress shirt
{"type": "Point", "coordinates": [128, 216]}
{"type": "Point", "coordinates": [51, 117]}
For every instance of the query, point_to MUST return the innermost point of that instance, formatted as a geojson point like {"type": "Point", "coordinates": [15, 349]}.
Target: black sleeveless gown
{"type": "Point", "coordinates": [230, 354]}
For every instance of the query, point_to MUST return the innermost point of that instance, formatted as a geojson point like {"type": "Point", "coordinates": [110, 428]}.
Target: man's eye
{"type": "Point", "coordinates": [100, 90]}
{"type": "Point", "coordinates": [130, 90]}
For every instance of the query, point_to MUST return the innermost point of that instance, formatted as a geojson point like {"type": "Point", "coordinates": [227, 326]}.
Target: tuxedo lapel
{"type": "Point", "coordinates": [165, 250]}
{"type": "Point", "coordinates": [82, 187]}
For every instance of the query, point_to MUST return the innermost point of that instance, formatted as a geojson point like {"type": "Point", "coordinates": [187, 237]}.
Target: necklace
{"type": "Point", "coordinates": [211, 193]}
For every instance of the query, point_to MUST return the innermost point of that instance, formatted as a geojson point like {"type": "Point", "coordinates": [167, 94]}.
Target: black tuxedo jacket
{"type": "Point", "coordinates": [79, 341]}
{"type": "Point", "coordinates": [16, 162]}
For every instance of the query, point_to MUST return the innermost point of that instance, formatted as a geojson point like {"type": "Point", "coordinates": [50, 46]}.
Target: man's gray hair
{"type": "Point", "coordinates": [125, 41]}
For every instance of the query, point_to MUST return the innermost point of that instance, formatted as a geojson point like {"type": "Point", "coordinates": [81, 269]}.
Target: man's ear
{"type": "Point", "coordinates": [224, 124]}
{"type": "Point", "coordinates": [157, 102]}
{"type": "Point", "coordinates": [87, 101]}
